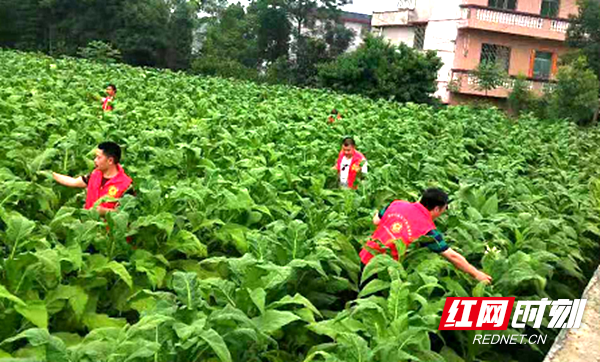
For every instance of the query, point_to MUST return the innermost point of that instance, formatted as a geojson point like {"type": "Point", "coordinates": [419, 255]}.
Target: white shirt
{"type": "Point", "coordinates": [345, 170]}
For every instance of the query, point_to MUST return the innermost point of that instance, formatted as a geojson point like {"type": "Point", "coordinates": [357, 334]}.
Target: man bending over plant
{"type": "Point", "coordinates": [350, 164]}
{"type": "Point", "coordinates": [406, 221]}
{"type": "Point", "coordinates": [107, 179]}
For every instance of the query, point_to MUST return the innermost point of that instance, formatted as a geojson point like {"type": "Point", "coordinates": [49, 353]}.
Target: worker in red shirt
{"type": "Point", "coordinates": [407, 222]}
{"type": "Point", "coordinates": [334, 116]}
{"type": "Point", "coordinates": [107, 179]}
{"type": "Point", "coordinates": [350, 164]}
{"type": "Point", "coordinates": [111, 92]}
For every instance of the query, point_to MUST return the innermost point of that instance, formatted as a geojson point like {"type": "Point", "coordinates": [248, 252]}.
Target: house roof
{"type": "Point", "coordinates": [355, 17]}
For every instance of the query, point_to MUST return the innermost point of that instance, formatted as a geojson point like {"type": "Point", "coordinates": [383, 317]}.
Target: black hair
{"type": "Point", "coordinates": [433, 198]}
{"type": "Point", "coordinates": [334, 111]}
{"type": "Point", "coordinates": [348, 141]}
{"type": "Point", "coordinates": [111, 150]}
{"type": "Point", "coordinates": [114, 87]}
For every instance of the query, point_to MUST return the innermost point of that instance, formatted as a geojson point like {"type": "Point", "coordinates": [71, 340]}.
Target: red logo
{"type": "Point", "coordinates": [483, 314]}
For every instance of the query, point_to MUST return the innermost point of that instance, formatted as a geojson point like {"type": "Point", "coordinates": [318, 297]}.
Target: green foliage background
{"type": "Point", "coordinates": [243, 249]}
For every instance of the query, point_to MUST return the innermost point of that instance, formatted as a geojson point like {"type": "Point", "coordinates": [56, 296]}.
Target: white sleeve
{"type": "Point", "coordinates": [365, 168]}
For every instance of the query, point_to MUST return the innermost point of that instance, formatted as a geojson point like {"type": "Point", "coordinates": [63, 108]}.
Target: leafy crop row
{"type": "Point", "coordinates": [244, 249]}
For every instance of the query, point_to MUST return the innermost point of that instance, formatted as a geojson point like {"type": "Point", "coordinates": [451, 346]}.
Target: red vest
{"type": "Point", "coordinates": [357, 158]}
{"type": "Point", "coordinates": [106, 104]}
{"type": "Point", "coordinates": [331, 119]}
{"type": "Point", "coordinates": [114, 187]}
{"type": "Point", "coordinates": [402, 220]}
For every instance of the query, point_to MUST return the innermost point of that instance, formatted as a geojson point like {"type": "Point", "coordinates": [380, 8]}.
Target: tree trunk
{"type": "Point", "coordinates": [595, 119]}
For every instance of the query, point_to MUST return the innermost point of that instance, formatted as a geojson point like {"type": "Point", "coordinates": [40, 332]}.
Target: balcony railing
{"type": "Point", "coordinates": [465, 82]}
{"type": "Point", "coordinates": [513, 22]}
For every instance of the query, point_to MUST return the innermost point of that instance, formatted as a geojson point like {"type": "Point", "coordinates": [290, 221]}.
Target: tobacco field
{"type": "Point", "coordinates": [244, 248]}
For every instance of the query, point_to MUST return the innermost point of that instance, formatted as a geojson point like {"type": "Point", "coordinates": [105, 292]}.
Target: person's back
{"type": "Point", "coordinates": [403, 221]}
{"type": "Point", "coordinates": [407, 222]}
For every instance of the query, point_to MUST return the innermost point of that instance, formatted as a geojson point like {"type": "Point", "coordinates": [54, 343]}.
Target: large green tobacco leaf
{"type": "Point", "coordinates": [35, 312]}
{"type": "Point", "coordinates": [7, 295]}
{"type": "Point", "coordinates": [215, 341]}
{"type": "Point", "coordinates": [273, 320]}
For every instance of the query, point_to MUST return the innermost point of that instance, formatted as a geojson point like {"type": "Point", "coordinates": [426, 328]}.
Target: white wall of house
{"type": "Point", "coordinates": [440, 36]}
{"type": "Point", "coordinates": [398, 34]}
{"type": "Point", "coordinates": [359, 31]}
{"type": "Point", "coordinates": [442, 18]}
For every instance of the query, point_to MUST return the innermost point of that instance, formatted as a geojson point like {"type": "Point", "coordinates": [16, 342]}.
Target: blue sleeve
{"type": "Point", "coordinates": [382, 211]}
{"type": "Point", "coordinates": [439, 245]}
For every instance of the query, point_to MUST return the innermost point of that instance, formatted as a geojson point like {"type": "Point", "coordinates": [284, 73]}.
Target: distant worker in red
{"type": "Point", "coordinates": [111, 92]}
{"type": "Point", "coordinates": [107, 179]}
{"type": "Point", "coordinates": [350, 164]}
{"type": "Point", "coordinates": [334, 116]}
{"type": "Point", "coordinates": [407, 222]}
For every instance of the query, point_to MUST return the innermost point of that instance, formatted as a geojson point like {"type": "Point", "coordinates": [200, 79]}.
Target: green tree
{"type": "Point", "coordinates": [378, 69]}
{"type": "Point", "coordinates": [521, 99]}
{"type": "Point", "coordinates": [489, 76]}
{"type": "Point", "coordinates": [100, 51]}
{"type": "Point", "coordinates": [181, 25]}
{"type": "Point", "coordinates": [273, 28]}
{"type": "Point", "coordinates": [338, 38]}
{"type": "Point", "coordinates": [305, 12]}
{"type": "Point", "coordinates": [230, 46]}
{"type": "Point", "coordinates": [584, 32]}
{"type": "Point", "coordinates": [576, 94]}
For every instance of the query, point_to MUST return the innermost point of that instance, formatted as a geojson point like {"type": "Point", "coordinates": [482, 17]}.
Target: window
{"type": "Point", "coordinates": [503, 4]}
{"type": "Point", "coordinates": [550, 8]}
{"type": "Point", "coordinates": [542, 65]}
{"type": "Point", "coordinates": [495, 54]}
{"type": "Point", "coordinates": [419, 40]}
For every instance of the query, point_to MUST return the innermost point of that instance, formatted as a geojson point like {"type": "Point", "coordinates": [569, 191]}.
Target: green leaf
{"type": "Point", "coordinates": [215, 341]}
{"type": "Point", "coordinates": [258, 296]}
{"type": "Point", "coordinates": [491, 206]}
{"type": "Point", "coordinates": [186, 287]}
{"type": "Point", "coordinates": [120, 271]}
{"type": "Point", "coordinates": [374, 286]}
{"type": "Point", "coordinates": [163, 221]}
{"type": "Point", "coordinates": [479, 290]}
{"type": "Point", "coordinates": [7, 295]}
{"type": "Point", "coordinates": [35, 312]}
{"type": "Point", "coordinates": [94, 321]}
{"type": "Point", "coordinates": [398, 299]}
{"type": "Point", "coordinates": [273, 320]}
{"type": "Point", "coordinates": [19, 228]}
{"type": "Point", "coordinates": [449, 355]}
{"type": "Point", "coordinates": [35, 336]}
{"type": "Point", "coordinates": [234, 233]}
{"type": "Point", "coordinates": [188, 244]}
{"type": "Point", "coordinates": [296, 299]}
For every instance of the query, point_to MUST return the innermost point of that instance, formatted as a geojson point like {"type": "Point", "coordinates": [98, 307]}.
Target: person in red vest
{"type": "Point", "coordinates": [335, 115]}
{"type": "Point", "coordinates": [107, 179]}
{"type": "Point", "coordinates": [111, 92]}
{"type": "Point", "coordinates": [406, 221]}
{"type": "Point", "coordinates": [350, 164]}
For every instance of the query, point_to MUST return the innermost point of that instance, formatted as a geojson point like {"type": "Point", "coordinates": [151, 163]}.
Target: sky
{"type": "Point", "coordinates": [358, 6]}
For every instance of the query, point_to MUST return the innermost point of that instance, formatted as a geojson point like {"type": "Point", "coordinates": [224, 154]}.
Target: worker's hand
{"type": "Point", "coordinates": [334, 168]}
{"type": "Point", "coordinates": [102, 210]}
{"type": "Point", "coordinates": [376, 218]}
{"type": "Point", "coordinates": [483, 277]}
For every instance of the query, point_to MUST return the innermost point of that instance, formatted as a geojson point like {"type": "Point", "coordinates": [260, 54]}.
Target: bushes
{"type": "Point", "coordinates": [378, 69]}
{"type": "Point", "coordinates": [227, 68]}
{"type": "Point", "coordinates": [100, 51]}
{"type": "Point", "coordinates": [576, 93]}
{"type": "Point", "coordinates": [574, 97]}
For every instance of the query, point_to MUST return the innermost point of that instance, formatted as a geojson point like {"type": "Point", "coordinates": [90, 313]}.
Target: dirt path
{"type": "Point", "coordinates": [582, 344]}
